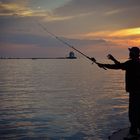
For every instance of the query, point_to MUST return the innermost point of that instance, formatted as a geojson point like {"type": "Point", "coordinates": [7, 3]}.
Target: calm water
{"type": "Point", "coordinates": [60, 100]}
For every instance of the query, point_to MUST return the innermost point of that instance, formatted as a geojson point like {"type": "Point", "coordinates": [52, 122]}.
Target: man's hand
{"type": "Point", "coordinates": [101, 66]}
{"type": "Point", "coordinates": [109, 56]}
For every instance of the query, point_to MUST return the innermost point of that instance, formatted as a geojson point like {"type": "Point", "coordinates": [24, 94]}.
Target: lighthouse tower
{"type": "Point", "coordinates": [72, 55]}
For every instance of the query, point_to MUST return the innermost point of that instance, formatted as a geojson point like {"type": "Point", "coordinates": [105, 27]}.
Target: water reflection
{"type": "Point", "coordinates": [60, 99]}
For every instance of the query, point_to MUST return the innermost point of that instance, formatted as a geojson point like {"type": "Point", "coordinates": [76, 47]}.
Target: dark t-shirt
{"type": "Point", "coordinates": [132, 77]}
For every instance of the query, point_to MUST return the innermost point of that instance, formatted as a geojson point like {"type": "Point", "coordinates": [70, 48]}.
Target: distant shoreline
{"type": "Point", "coordinates": [34, 58]}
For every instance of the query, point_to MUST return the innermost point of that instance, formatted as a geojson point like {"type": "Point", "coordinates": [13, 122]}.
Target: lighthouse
{"type": "Point", "coordinates": [71, 55]}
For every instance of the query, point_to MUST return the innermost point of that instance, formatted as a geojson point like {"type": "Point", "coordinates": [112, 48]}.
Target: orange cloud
{"type": "Point", "coordinates": [117, 33]}
{"type": "Point", "coordinates": [9, 9]}
{"type": "Point", "coordinates": [130, 36]}
{"type": "Point", "coordinates": [20, 9]}
{"type": "Point", "coordinates": [126, 32]}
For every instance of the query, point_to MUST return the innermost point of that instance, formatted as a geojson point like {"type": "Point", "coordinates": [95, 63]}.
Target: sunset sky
{"type": "Point", "coordinates": [96, 27]}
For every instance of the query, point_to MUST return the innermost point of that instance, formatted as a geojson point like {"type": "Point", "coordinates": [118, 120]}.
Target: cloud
{"type": "Point", "coordinates": [19, 8]}
{"type": "Point", "coordinates": [101, 14]}
{"type": "Point", "coordinates": [14, 7]}
{"type": "Point", "coordinates": [82, 6]}
{"type": "Point", "coordinates": [31, 45]}
{"type": "Point", "coordinates": [46, 41]}
{"type": "Point", "coordinates": [118, 33]}
{"type": "Point", "coordinates": [128, 36]}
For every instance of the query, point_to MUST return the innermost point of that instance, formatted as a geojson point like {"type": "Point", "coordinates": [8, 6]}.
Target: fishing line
{"type": "Point", "coordinates": [67, 44]}
{"type": "Point", "coordinates": [64, 42]}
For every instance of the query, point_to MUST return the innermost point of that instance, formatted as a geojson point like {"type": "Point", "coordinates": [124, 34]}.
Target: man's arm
{"type": "Point", "coordinates": [116, 66]}
{"type": "Point", "coordinates": [110, 66]}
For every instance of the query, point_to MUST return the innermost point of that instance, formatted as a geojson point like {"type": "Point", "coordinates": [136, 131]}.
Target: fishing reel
{"type": "Point", "coordinates": [93, 60]}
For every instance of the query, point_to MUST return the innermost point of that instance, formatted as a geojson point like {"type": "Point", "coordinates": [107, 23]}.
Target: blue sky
{"type": "Point", "coordinates": [96, 27]}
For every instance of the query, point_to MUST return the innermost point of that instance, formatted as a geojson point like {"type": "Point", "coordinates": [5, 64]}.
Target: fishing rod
{"type": "Point", "coordinates": [67, 44]}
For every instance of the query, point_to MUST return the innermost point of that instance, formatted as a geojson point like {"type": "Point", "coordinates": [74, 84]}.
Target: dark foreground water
{"type": "Point", "coordinates": [60, 100]}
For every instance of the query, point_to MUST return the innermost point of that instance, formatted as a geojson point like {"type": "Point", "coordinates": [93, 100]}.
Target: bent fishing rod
{"type": "Point", "coordinates": [67, 44]}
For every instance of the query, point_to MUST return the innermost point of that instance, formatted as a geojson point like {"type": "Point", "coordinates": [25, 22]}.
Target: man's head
{"type": "Point", "coordinates": [134, 52]}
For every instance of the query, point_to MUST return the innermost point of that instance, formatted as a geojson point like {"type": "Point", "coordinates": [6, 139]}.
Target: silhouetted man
{"type": "Point", "coordinates": [132, 79]}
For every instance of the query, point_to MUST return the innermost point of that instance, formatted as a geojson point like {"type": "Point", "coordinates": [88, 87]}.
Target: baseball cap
{"type": "Point", "coordinates": [135, 50]}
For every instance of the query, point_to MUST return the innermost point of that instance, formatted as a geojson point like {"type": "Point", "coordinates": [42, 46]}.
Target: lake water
{"type": "Point", "coordinates": [56, 99]}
